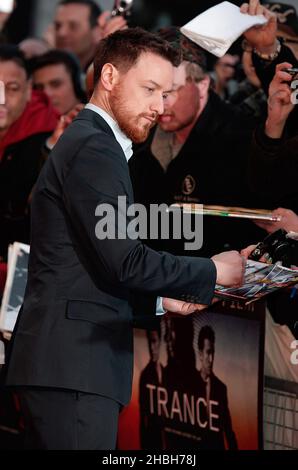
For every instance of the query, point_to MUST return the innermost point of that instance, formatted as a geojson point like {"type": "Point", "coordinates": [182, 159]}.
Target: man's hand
{"type": "Point", "coordinates": [288, 222]}
{"type": "Point", "coordinates": [230, 267]}
{"type": "Point", "coordinates": [279, 102]}
{"type": "Point", "coordinates": [263, 38]}
{"type": "Point", "coordinates": [109, 25]}
{"type": "Point", "coordinates": [180, 307]}
{"type": "Point", "coordinates": [246, 252]}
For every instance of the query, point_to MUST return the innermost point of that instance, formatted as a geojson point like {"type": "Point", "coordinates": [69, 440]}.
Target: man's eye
{"type": "Point", "coordinates": [56, 84]}
{"type": "Point", "coordinates": [165, 96]}
{"type": "Point", "coordinates": [150, 90]}
{"type": "Point", "coordinates": [13, 88]}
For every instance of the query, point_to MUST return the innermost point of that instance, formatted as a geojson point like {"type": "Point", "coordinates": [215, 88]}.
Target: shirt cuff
{"type": "Point", "coordinates": [159, 308]}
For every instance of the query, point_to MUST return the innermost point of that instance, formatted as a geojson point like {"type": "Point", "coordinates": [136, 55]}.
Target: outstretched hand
{"type": "Point", "coordinates": [109, 25]}
{"type": "Point", "coordinates": [263, 38]}
{"type": "Point", "coordinates": [180, 307]}
{"type": "Point", "coordinates": [288, 221]}
{"type": "Point", "coordinates": [280, 101]}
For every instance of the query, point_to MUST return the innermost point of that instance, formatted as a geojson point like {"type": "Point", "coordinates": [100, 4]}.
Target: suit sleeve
{"type": "Point", "coordinates": [99, 175]}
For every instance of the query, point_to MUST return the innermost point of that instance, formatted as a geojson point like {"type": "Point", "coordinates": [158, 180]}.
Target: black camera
{"type": "Point", "coordinates": [122, 8]}
{"type": "Point", "coordinates": [280, 247]}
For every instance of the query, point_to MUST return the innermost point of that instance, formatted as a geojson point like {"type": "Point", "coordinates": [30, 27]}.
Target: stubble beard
{"type": "Point", "coordinates": [130, 125]}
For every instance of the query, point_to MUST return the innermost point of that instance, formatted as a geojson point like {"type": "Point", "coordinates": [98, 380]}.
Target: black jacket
{"type": "Point", "coordinates": [19, 169]}
{"type": "Point", "coordinates": [75, 327]}
{"type": "Point", "coordinates": [273, 169]}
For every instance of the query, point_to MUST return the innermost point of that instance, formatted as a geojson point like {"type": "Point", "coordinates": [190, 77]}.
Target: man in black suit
{"type": "Point", "coordinates": [215, 418]}
{"type": "Point", "coordinates": [72, 350]}
{"type": "Point", "coordinates": [152, 376]}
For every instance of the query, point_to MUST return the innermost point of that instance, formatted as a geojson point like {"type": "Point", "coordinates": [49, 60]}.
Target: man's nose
{"type": "Point", "coordinates": [62, 31]}
{"type": "Point", "coordinates": [170, 100]}
{"type": "Point", "coordinates": [49, 91]}
{"type": "Point", "coordinates": [2, 92]}
{"type": "Point", "coordinates": [158, 105]}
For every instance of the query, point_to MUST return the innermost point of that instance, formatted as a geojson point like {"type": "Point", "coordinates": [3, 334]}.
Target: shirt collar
{"type": "Point", "coordinates": [122, 139]}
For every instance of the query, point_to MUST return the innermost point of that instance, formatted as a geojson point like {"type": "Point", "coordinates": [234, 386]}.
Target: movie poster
{"type": "Point", "coordinates": [198, 382]}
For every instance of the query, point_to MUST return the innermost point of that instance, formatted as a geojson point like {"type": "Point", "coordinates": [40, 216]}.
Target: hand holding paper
{"type": "Point", "coordinates": [217, 28]}
{"type": "Point", "coordinates": [262, 38]}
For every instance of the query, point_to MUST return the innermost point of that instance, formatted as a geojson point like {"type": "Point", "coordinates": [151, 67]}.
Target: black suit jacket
{"type": "Point", "coordinates": [75, 328]}
{"type": "Point", "coordinates": [220, 424]}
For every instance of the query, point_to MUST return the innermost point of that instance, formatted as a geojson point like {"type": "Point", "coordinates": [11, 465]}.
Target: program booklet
{"type": "Point", "coordinates": [260, 279]}
{"type": "Point", "coordinates": [218, 27]}
{"type": "Point", "coordinates": [225, 211]}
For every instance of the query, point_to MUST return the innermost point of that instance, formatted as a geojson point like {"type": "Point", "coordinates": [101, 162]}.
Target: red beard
{"type": "Point", "coordinates": [134, 127]}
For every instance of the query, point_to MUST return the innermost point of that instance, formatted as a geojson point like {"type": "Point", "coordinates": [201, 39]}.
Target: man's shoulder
{"type": "Point", "coordinates": [222, 115]}
{"type": "Point", "coordinates": [88, 123]}
{"type": "Point", "coordinates": [31, 140]}
{"type": "Point", "coordinates": [84, 132]}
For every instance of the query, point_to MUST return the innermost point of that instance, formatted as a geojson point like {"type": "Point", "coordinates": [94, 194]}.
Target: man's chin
{"type": "Point", "coordinates": [3, 126]}
{"type": "Point", "coordinates": [166, 127]}
{"type": "Point", "coordinates": [138, 139]}
{"type": "Point", "coordinates": [140, 136]}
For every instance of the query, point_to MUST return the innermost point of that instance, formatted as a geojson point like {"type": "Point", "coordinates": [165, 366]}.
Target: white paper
{"type": "Point", "coordinates": [217, 28]}
{"type": "Point", "coordinates": [6, 6]}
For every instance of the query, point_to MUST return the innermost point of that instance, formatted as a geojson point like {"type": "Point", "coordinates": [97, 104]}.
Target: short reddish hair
{"type": "Point", "coordinates": [123, 49]}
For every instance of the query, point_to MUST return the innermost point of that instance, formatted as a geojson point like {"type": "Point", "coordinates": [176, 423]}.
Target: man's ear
{"type": "Point", "coordinates": [204, 86]}
{"type": "Point", "coordinates": [109, 76]}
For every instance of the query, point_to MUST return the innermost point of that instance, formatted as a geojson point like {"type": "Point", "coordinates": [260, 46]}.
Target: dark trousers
{"type": "Point", "coordinates": [68, 420]}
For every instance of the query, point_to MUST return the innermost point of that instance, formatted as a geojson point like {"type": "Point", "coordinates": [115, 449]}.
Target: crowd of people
{"type": "Point", "coordinates": [226, 134]}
